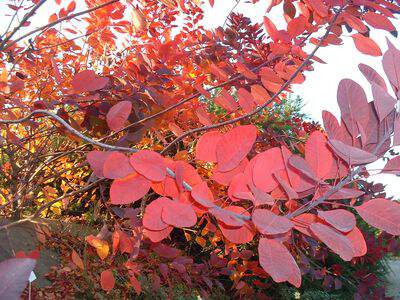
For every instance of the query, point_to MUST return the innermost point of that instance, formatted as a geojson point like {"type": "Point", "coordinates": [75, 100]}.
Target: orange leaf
{"type": "Point", "coordinates": [366, 45]}
{"type": "Point", "coordinates": [101, 246]}
{"type": "Point", "coordinates": [107, 280]}
{"type": "Point", "coordinates": [76, 259]}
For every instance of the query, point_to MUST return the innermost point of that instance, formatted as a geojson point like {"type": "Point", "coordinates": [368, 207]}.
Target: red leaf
{"type": "Point", "coordinates": [53, 18]}
{"type": "Point", "coordinates": [341, 219]}
{"type": "Point", "coordinates": [152, 215]}
{"type": "Point", "coordinates": [234, 146]}
{"type": "Point", "coordinates": [278, 262]}
{"type": "Point", "coordinates": [226, 216]}
{"type": "Point", "coordinates": [271, 29]}
{"type": "Point", "coordinates": [267, 163]}
{"type": "Point", "coordinates": [392, 166]}
{"type": "Point", "coordinates": [227, 102]}
{"type": "Point", "coordinates": [357, 240]}
{"type": "Point", "coordinates": [71, 6]}
{"type": "Point", "coordinates": [150, 164]}
{"type": "Point", "coordinates": [391, 66]}
{"type": "Point", "coordinates": [302, 166]}
{"type": "Point", "coordinates": [107, 280]}
{"type": "Point", "coordinates": [260, 94]}
{"type": "Point", "coordinates": [203, 116]}
{"type": "Point", "coordinates": [237, 235]}
{"type": "Point", "coordinates": [238, 188]}
{"type": "Point", "coordinates": [353, 105]}
{"type": "Point", "coordinates": [379, 21]}
{"type": "Point", "coordinates": [319, 7]}
{"type": "Point", "coordinates": [269, 223]}
{"type": "Point", "coordinates": [225, 178]}
{"type": "Point", "coordinates": [372, 75]}
{"type": "Point", "coordinates": [201, 90]}
{"type": "Point", "coordinates": [296, 26]}
{"type": "Point", "coordinates": [382, 214]}
{"type": "Point", "coordinates": [289, 191]}
{"type": "Point", "coordinates": [117, 165]}
{"type": "Point", "coordinates": [118, 115]}
{"type": "Point", "coordinates": [96, 160]}
{"type": "Point", "coordinates": [157, 235]}
{"type": "Point", "coordinates": [331, 124]}
{"type": "Point", "coordinates": [206, 146]}
{"type": "Point", "coordinates": [303, 222]}
{"type": "Point", "coordinates": [299, 182]}
{"type": "Point", "coordinates": [343, 193]}
{"type": "Point", "coordinates": [86, 81]}
{"type": "Point", "coordinates": [383, 102]}
{"type": "Point", "coordinates": [396, 132]}
{"type": "Point", "coordinates": [202, 194]}
{"type": "Point", "coordinates": [135, 283]}
{"type": "Point", "coordinates": [241, 68]}
{"type": "Point", "coordinates": [246, 100]}
{"type": "Point", "coordinates": [129, 189]}
{"type": "Point", "coordinates": [354, 22]}
{"type": "Point", "coordinates": [351, 155]}
{"type": "Point", "coordinates": [178, 214]}
{"type": "Point", "coordinates": [335, 240]}
{"type": "Point", "coordinates": [318, 155]}
{"type": "Point", "coordinates": [166, 251]}
{"type": "Point", "coordinates": [366, 45]}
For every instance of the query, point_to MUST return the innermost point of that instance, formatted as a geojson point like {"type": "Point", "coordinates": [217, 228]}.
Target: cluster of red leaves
{"type": "Point", "coordinates": [270, 197]}
{"type": "Point", "coordinates": [276, 192]}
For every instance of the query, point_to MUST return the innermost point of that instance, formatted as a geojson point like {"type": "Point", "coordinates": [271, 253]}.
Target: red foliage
{"type": "Point", "coordinates": [230, 182]}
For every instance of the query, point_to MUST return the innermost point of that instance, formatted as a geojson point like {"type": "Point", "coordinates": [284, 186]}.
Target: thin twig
{"type": "Point", "coordinates": [260, 108]}
{"type": "Point", "coordinates": [52, 24]}
{"type": "Point", "coordinates": [23, 21]}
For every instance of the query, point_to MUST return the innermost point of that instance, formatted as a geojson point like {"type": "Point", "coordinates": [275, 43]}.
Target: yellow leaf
{"type": "Point", "coordinates": [101, 246]}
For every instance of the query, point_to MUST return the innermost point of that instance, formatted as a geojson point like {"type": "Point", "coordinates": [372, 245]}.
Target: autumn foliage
{"type": "Point", "coordinates": [166, 130]}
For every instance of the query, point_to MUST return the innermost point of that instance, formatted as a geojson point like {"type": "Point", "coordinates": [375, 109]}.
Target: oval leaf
{"type": "Point", "coordinates": [178, 214]}
{"type": "Point", "coordinates": [234, 146]}
{"type": "Point", "coordinates": [351, 155]}
{"type": "Point", "coordinates": [336, 241]}
{"type": "Point", "coordinates": [129, 189]}
{"type": "Point", "coordinates": [382, 214]}
{"type": "Point", "coordinates": [278, 262]}
{"type": "Point", "coordinates": [318, 155]}
{"type": "Point", "coordinates": [341, 219]}
{"type": "Point", "coordinates": [366, 45]}
{"type": "Point", "coordinates": [269, 223]}
{"type": "Point", "coordinates": [118, 115]}
{"type": "Point", "coordinates": [206, 146]}
{"type": "Point", "coordinates": [150, 164]}
{"type": "Point", "coordinates": [117, 165]}
{"type": "Point", "coordinates": [152, 215]}
{"type": "Point", "coordinates": [107, 280]}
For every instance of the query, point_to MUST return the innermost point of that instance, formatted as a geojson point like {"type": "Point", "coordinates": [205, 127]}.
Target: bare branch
{"type": "Point", "coordinates": [23, 21]}
{"type": "Point", "coordinates": [52, 24]}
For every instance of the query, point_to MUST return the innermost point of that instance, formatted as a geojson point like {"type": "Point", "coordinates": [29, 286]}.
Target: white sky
{"type": "Point", "coordinates": [319, 89]}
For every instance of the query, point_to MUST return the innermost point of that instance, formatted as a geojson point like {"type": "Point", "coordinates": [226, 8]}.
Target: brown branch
{"type": "Point", "coordinates": [23, 21]}
{"type": "Point", "coordinates": [183, 101]}
{"type": "Point", "coordinates": [40, 112]}
{"type": "Point", "coordinates": [32, 218]}
{"type": "Point", "coordinates": [49, 25]}
{"type": "Point", "coordinates": [260, 108]}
